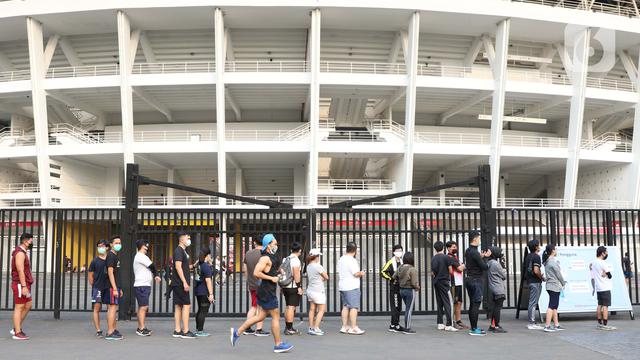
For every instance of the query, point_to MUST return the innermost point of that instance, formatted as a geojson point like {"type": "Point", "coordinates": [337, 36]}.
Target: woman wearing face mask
{"type": "Point", "coordinates": [98, 281]}
{"type": "Point", "coordinates": [395, 301]}
{"type": "Point", "coordinates": [554, 285]}
{"type": "Point", "coordinates": [498, 286]}
{"type": "Point", "coordinates": [204, 289]}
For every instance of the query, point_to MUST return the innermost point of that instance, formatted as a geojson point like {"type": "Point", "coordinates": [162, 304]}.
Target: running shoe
{"type": "Point", "coordinates": [260, 332]}
{"type": "Point", "coordinates": [477, 332]}
{"type": "Point", "coordinates": [393, 328]}
{"type": "Point", "coordinates": [291, 331]}
{"type": "Point", "coordinates": [312, 331]}
{"type": "Point", "coordinates": [409, 332]}
{"type": "Point", "coordinates": [450, 328]}
{"type": "Point", "coordinates": [148, 331]}
{"type": "Point", "coordinates": [12, 332]}
{"type": "Point", "coordinates": [535, 326]}
{"type": "Point", "coordinates": [114, 336]}
{"type": "Point", "coordinates": [177, 334]}
{"type": "Point", "coordinates": [356, 331]}
{"type": "Point", "coordinates": [499, 330]}
{"type": "Point", "coordinates": [142, 332]}
{"type": "Point", "coordinates": [249, 331]}
{"type": "Point", "coordinates": [20, 336]}
{"type": "Point", "coordinates": [202, 334]}
{"type": "Point", "coordinates": [549, 329]}
{"type": "Point", "coordinates": [99, 334]}
{"type": "Point", "coordinates": [233, 337]}
{"type": "Point", "coordinates": [319, 331]}
{"type": "Point", "coordinates": [441, 326]}
{"type": "Point", "coordinates": [560, 328]}
{"type": "Point", "coordinates": [460, 325]}
{"type": "Point", "coordinates": [282, 347]}
{"type": "Point", "coordinates": [344, 330]}
{"type": "Point", "coordinates": [187, 335]}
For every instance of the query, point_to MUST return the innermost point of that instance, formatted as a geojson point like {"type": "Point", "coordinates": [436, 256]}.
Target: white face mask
{"type": "Point", "coordinates": [187, 243]}
{"type": "Point", "coordinates": [398, 254]}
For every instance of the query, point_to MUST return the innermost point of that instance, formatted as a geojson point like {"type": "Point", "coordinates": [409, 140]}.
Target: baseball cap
{"type": "Point", "coordinates": [266, 240]}
{"type": "Point", "coordinates": [315, 252]}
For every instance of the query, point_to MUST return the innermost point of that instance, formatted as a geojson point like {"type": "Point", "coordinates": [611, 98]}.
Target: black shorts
{"type": "Point", "coordinates": [554, 299]}
{"type": "Point", "coordinates": [474, 289]}
{"type": "Point", "coordinates": [456, 293]}
{"type": "Point", "coordinates": [604, 298]}
{"type": "Point", "coordinates": [291, 297]}
{"type": "Point", "coordinates": [180, 297]}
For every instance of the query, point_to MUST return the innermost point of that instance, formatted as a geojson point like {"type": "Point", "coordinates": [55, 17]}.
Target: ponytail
{"type": "Point", "coordinates": [547, 252]}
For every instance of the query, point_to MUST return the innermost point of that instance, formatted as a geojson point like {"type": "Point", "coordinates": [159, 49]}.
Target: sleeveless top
{"type": "Point", "coordinates": [267, 289]}
{"type": "Point", "coordinates": [27, 266]}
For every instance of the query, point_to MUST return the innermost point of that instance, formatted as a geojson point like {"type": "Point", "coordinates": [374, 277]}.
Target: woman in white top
{"type": "Point", "coordinates": [315, 291]}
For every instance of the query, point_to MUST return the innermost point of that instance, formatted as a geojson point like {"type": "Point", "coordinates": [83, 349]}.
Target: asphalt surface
{"type": "Point", "coordinates": [73, 338]}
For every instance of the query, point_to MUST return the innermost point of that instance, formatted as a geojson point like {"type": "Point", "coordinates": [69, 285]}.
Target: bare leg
{"type": "Point", "coordinates": [17, 317]}
{"type": "Point", "coordinates": [289, 314]}
{"type": "Point", "coordinates": [598, 313]}
{"type": "Point", "coordinates": [185, 317]}
{"type": "Point", "coordinates": [258, 318]}
{"type": "Point", "coordinates": [605, 313]}
{"type": "Point", "coordinates": [550, 315]}
{"type": "Point", "coordinates": [96, 315]}
{"type": "Point", "coordinates": [275, 326]}
{"type": "Point", "coordinates": [555, 318]}
{"type": "Point", "coordinates": [353, 316]}
{"type": "Point", "coordinates": [321, 309]}
{"type": "Point", "coordinates": [177, 317]}
{"type": "Point", "coordinates": [345, 316]}
{"type": "Point", "coordinates": [142, 314]}
{"type": "Point", "coordinates": [312, 315]}
{"type": "Point", "coordinates": [458, 311]}
{"type": "Point", "coordinates": [25, 311]}
{"type": "Point", "coordinates": [111, 318]}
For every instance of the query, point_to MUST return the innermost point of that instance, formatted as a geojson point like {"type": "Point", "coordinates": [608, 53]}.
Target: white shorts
{"type": "Point", "coordinates": [317, 297]}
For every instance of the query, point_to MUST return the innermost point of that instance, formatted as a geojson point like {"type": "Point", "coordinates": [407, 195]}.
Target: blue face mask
{"type": "Point", "coordinates": [117, 247]}
{"type": "Point", "coordinates": [102, 250]}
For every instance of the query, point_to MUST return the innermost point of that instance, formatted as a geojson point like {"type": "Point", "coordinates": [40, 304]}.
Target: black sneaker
{"type": "Point", "coordinates": [393, 328]}
{"type": "Point", "coordinates": [499, 330]}
{"type": "Point", "coordinates": [408, 331]}
{"type": "Point", "coordinates": [177, 334]}
{"type": "Point", "coordinates": [249, 331]}
{"type": "Point", "coordinates": [260, 332]}
{"type": "Point", "coordinates": [491, 329]}
{"type": "Point", "coordinates": [400, 328]}
{"type": "Point", "coordinates": [188, 335]}
{"type": "Point", "coordinates": [99, 333]}
{"type": "Point", "coordinates": [291, 331]}
{"type": "Point", "coordinates": [142, 332]}
{"type": "Point", "coordinates": [113, 336]}
{"type": "Point", "coordinates": [148, 331]}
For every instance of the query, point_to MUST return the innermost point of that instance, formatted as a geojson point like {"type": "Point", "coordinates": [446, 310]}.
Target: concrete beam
{"type": "Point", "coordinates": [147, 50]}
{"type": "Point", "coordinates": [5, 63]}
{"type": "Point", "coordinates": [50, 49]}
{"type": "Point", "coordinates": [464, 105]}
{"type": "Point", "coordinates": [609, 110]}
{"type": "Point", "coordinates": [548, 52]}
{"type": "Point", "coordinates": [220, 98]}
{"type": "Point", "coordinates": [69, 52]}
{"type": "Point", "coordinates": [153, 102]}
{"type": "Point", "coordinates": [234, 105]}
{"type": "Point", "coordinates": [72, 102]}
{"type": "Point", "coordinates": [473, 52]}
{"type": "Point", "coordinates": [228, 47]}
{"type": "Point", "coordinates": [490, 51]}
{"type": "Point", "coordinates": [396, 45]}
{"type": "Point", "coordinates": [629, 66]}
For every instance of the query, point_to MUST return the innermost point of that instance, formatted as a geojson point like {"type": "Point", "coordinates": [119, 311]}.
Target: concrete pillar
{"type": "Point", "coordinates": [442, 193]}
{"type": "Point", "coordinates": [502, 190]}
{"type": "Point", "coordinates": [239, 181]}
{"type": "Point", "coordinates": [113, 185]}
{"type": "Point", "coordinates": [314, 107]}
{"type": "Point", "coordinates": [220, 52]}
{"type": "Point", "coordinates": [411, 64]}
{"type": "Point", "coordinates": [125, 59]}
{"type": "Point", "coordinates": [635, 165]}
{"type": "Point", "coordinates": [171, 192]}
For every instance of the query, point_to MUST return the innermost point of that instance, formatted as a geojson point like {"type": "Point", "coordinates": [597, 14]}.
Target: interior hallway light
{"type": "Point", "coordinates": [520, 119]}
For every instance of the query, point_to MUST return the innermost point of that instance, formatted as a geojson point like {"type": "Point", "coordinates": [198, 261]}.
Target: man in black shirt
{"type": "Point", "coordinates": [475, 266]}
{"type": "Point", "coordinates": [626, 268]}
{"type": "Point", "coordinates": [534, 279]}
{"type": "Point", "coordinates": [441, 267]}
{"type": "Point", "coordinates": [98, 281]}
{"type": "Point", "coordinates": [112, 294]}
{"type": "Point", "coordinates": [180, 282]}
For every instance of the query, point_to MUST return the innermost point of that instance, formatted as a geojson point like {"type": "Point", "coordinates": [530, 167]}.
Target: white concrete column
{"type": "Point", "coordinates": [579, 68]}
{"type": "Point", "coordinates": [502, 189]}
{"type": "Point", "coordinates": [39, 103]}
{"type": "Point", "coordinates": [239, 181]}
{"type": "Point", "coordinates": [635, 165]}
{"type": "Point", "coordinates": [442, 193]}
{"type": "Point", "coordinates": [113, 184]}
{"type": "Point", "coordinates": [314, 107]}
{"type": "Point", "coordinates": [126, 94]}
{"type": "Point", "coordinates": [220, 53]}
{"type": "Point", "coordinates": [411, 64]}
{"type": "Point", "coordinates": [499, 68]}
{"type": "Point", "coordinates": [171, 192]}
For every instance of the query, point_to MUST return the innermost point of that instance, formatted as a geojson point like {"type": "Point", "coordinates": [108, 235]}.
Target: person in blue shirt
{"type": "Point", "coordinates": [98, 281]}
{"type": "Point", "coordinates": [204, 289]}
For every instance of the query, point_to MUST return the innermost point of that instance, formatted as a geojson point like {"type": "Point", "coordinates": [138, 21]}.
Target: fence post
{"type": "Point", "coordinates": [553, 227]}
{"type": "Point", "coordinates": [58, 265]}
{"type": "Point", "coordinates": [129, 219]}
{"type": "Point", "coordinates": [610, 236]}
{"type": "Point", "coordinates": [487, 212]}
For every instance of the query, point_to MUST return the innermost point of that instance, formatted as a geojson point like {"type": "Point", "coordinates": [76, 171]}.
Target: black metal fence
{"type": "Point", "coordinates": [64, 245]}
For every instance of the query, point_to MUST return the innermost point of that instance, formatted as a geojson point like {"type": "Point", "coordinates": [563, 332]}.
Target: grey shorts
{"type": "Point", "coordinates": [350, 299]}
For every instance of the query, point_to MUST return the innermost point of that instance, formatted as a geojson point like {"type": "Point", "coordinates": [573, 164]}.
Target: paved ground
{"type": "Point", "coordinates": [72, 338]}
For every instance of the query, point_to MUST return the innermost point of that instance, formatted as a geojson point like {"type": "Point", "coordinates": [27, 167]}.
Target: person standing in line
{"type": "Point", "coordinates": [441, 268]}
{"type": "Point", "coordinates": [476, 267]}
{"type": "Point", "coordinates": [555, 284]}
{"type": "Point", "coordinates": [626, 267]}
{"type": "Point", "coordinates": [349, 275]}
{"type": "Point", "coordinates": [534, 278]}
{"type": "Point", "coordinates": [98, 282]}
{"type": "Point", "coordinates": [180, 287]}
{"type": "Point", "coordinates": [251, 259]}
{"type": "Point", "coordinates": [144, 271]}
{"type": "Point", "coordinates": [604, 284]}
{"type": "Point", "coordinates": [498, 285]}
{"type": "Point", "coordinates": [21, 280]}
{"type": "Point", "coordinates": [317, 275]}
{"type": "Point", "coordinates": [395, 301]}
{"type": "Point", "coordinates": [457, 278]}
{"type": "Point", "coordinates": [112, 294]}
{"type": "Point", "coordinates": [267, 270]}
{"type": "Point", "coordinates": [204, 289]}
{"type": "Point", "coordinates": [407, 277]}
{"type": "Point", "coordinates": [292, 286]}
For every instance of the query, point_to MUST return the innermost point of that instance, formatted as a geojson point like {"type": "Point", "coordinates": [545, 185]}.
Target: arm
{"type": "Point", "coordinates": [178, 266]}
{"type": "Point", "coordinates": [559, 275]}
{"type": "Point", "coordinates": [91, 278]}
{"type": "Point", "coordinates": [325, 276]}
{"type": "Point", "coordinates": [413, 275]}
{"type": "Point", "coordinates": [210, 288]}
{"type": "Point", "coordinates": [475, 256]}
{"type": "Point", "coordinates": [355, 270]}
{"type": "Point", "coordinates": [385, 272]}
{"type": "Point", "coordinates": [21, 276]}
{"type": "Point", "coordinates": [258, 272]}
{"type": "Point", "coordinates": [112, 279]}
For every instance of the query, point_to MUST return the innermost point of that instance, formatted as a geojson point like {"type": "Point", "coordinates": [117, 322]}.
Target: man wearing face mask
{"type": "Point", "coordinates": [21, 280]}
{"type": "Point", "coordinates": [601, 272]}
{"type": "Point", "coordinates": [98, 281]}
{"type": "Point", "coordinates": [112, 294]}
{"type": "Point", "coordinates": [180, 282]}
{"type": "Point", "coordinates": [395, 302]}
{"type": "Point", "coordinates": [144, 272]}
{"type": "Point", "coordinates": [457, 279]}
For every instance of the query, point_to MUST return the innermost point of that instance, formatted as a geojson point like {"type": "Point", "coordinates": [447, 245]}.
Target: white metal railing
{"type": "Point", "coordinates": [445, 201]}
{"type": "Point", "coordinates": [355, 184]}
{"type": "Point", "coordinates": [611, 84]}
{"type": "Point", "coordinates": [88, 201]}
{"type": "Point", "coordinates": [59, 133]}
{"type": "Point", "coordinates": [369, 135]}
{"type": "Point", "coordinates": [16, 75]}
{"type": "Point", "coordinates": [362, 67]}
{"type": "Point", "coordinates": [174, 67]}
{"type": "Point", "coordinates": [266, 66]}
{"type": "Point", "coordinates": [447, 71]}
{"type": "Point", "coordinates": [327, 123]}
{"type": "Point", "coordinates": [621, 7]}
{"type": "Point", "coordinates": [608, 142]}
{"type": "Point", "coordinates": [299, 133]}
{"type": "Point", "coordinates": [538, 77]}
{"type": "Point", "coordinates": [200, 200]}
{"type": "Point", "coordinates": [386, 125]}
{"type": "Point", "coordinates": [174, 135]}
{"type": "Point", "coordinates": [534, 141]}
{"type": "Point", "coordinates": [452, 138]}
{"type": "Point", "coordinates": [82, 71]}
{"type": "Point", "coordinates": [559, 203]}
{"type": "Point", "coordinates": [332, 199]}
{"type": "Point", "coordinates": [19, 202]}
{"type": "Point", "coordinates": [10, 138]}
{"type": "Point", "coordinates": [19, 188]}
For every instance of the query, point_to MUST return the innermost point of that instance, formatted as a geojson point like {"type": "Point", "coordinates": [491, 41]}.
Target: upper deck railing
{"type": "Point", "coordinates": [625, 8]}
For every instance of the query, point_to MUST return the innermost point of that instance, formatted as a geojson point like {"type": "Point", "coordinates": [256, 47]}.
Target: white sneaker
{"type": "Point", "coordinates": [344, 330]}
{"type": "Point", "coordinates": [441, 327]}
{"type": "Point", "coordinates": [450, 328]}
{"type": "Point", "coordinates": [12, 332]}
{"type": "Point", "coordinates": [356, 331]}
{"type": "Point", "coordinates": [535, 327]}
{"type": "Point", "coordinates": [318, 331]}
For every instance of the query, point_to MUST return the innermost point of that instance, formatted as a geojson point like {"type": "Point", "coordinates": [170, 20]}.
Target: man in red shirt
{"type": "Point", "coordinates": [21, 280]}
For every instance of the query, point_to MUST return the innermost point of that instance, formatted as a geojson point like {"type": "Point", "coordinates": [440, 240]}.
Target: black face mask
{"type": "Point", "coordinates": [605, 257]}
{"type": "Point", "coordinates": [453, 251]}
{"type": "Point", "coordinates": [30, 246]}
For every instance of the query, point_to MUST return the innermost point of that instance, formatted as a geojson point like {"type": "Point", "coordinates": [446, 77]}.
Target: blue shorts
{"type": "Point", "coordinates": [554, 299]}
{"type": "Point", "coordinates": [142, 295]}
{"type": "Point", "coordinates": [108, 298]}
{"type": "Point", "coordinates": [474, 289]}
{"type": "Point", "coordinates": [350, 299]}
{"type": "Point", "coordinates": [96, 296]}
{"type": "Point", "coordinates": [268, 303]}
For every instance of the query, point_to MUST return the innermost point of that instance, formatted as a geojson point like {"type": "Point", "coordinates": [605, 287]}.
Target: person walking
{"type": "Point", "coordinates": [144, 271]}
{"type": "Point", "coordinates": [476, 266]}
{"type": "Point", "coordinates": [112, 294]}
{"type": "Point", "coordinates": [251, 259]}
{"type": "Point", "coordinates": [441, 268]}
{"type": "Point", "coordinates": [204, 289]}
{"type": "Point", "coordinates": [534, 279]}
{"type": "Point", "coordinates": [267, 270]}
{"type": "Point", "coordinates": [349, 275]}
{"type": "Point", "coordinates": [555, 284]}
{"type": "Point", "coordinates": [291, 283]}
{"type": "Point", "coordinates": [497, 278]}
{"type": "Point", "coordinates": [98, 281]}
{"type": "Point", "coordinates": [395, 301]}
{"type": "Point", "coordinates": [180, 283]}
{"type": "Point", "coordinates": [601, 272]}
{"type": "Point", "coordinates": [21, 280]}
{"type": "Point", "coordinates": [626, 268]}
{"type": "Point", "coordinates": [407, 277]}
{"type": "Point", "coordinates": [457, 279]}
{"type": "Point", "coordinates": [317, 275]}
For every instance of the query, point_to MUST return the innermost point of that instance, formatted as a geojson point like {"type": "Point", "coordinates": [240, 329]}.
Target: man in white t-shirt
{"type": "Point", "coordinates": [144, 272]}
{"type": "Point", "coordinates": [293, 291]}
{"type": "Point", "coordinates": [349, 285]}
{"type": "Point", "coordinates": [601, 273]}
